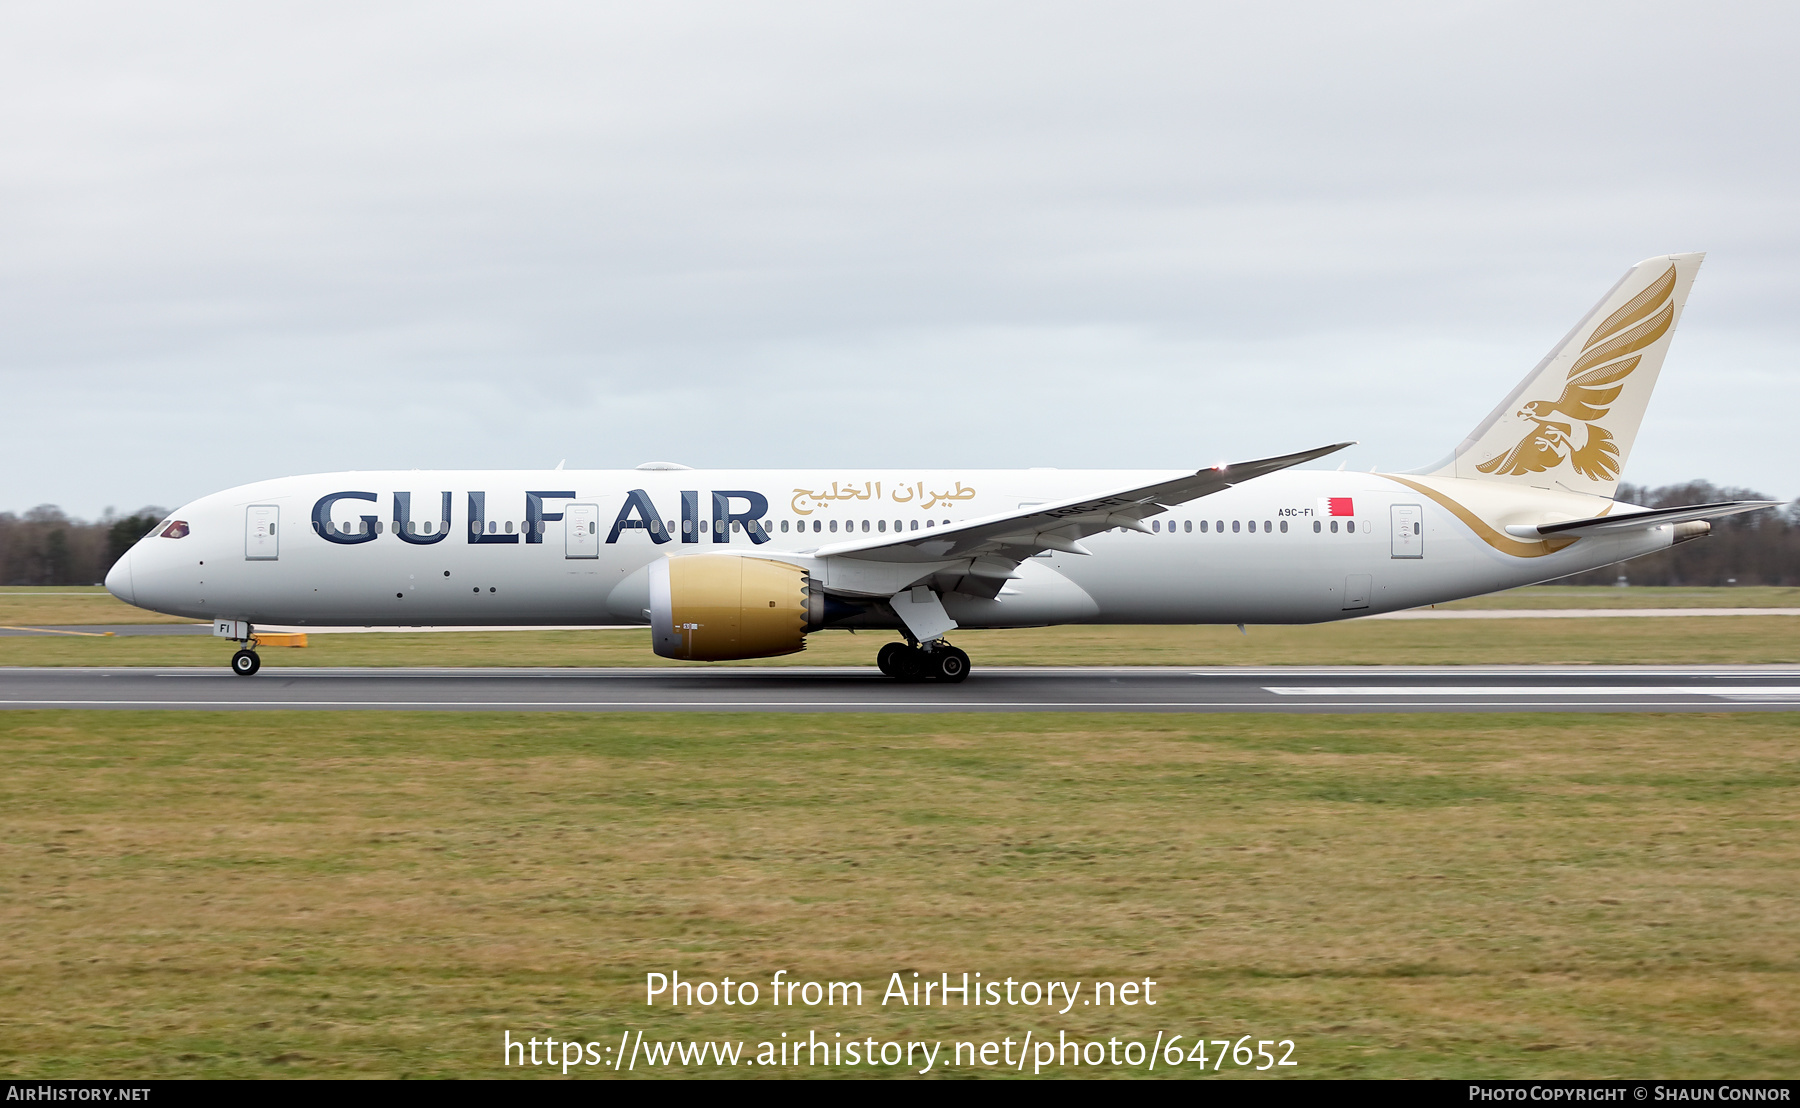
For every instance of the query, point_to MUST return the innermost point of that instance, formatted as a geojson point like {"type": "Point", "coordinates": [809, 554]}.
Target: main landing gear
{"type": "Point", "coordinates": [936, 660]}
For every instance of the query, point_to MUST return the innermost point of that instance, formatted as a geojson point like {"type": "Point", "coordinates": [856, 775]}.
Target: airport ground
{"type": "Point", "coordinates": [1635, 641]}
{"type": "Point", "coordinates": [386, 893]}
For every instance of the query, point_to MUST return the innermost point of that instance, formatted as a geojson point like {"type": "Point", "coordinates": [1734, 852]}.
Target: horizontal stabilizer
{"type": "Point", "coordinates": [1639, 521]}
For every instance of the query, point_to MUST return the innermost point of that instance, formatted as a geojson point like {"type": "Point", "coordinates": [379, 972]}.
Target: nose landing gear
{"type": "Point", "coordinates": [938, 661]}
{"type": "Point", "coordinates": [245, 663]}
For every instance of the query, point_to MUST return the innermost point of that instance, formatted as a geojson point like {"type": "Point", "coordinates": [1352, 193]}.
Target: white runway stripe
{"type": "Point", "coordinates": [1533, 690]}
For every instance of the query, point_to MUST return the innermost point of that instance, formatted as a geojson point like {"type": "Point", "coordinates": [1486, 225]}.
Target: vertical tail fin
{"type": "Point", "coordinates": [1572, 420]}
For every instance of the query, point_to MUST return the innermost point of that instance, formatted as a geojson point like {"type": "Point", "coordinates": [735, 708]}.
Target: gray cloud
{"type": "Point", "coordinates": [242, 242]}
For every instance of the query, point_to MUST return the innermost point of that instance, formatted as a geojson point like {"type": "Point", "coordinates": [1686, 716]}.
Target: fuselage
{"type": "Point", "coordinates": [423, 548]}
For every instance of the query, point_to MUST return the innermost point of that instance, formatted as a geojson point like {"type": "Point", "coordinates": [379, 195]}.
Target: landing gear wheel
{"type": "Point", "coordinates": [909, 663]}
{"type": "Point", "coordinates": [949, 664]}
{"type": "Point", "coordinates": [884, 658]}
{"type": "Point", "coordinates": [245, 663]}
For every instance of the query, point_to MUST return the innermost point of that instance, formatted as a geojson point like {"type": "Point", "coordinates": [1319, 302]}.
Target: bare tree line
{"type": "Point", "coordinates": [46, 547]}
{"type": "Point", "coordinates": [1756, 548]}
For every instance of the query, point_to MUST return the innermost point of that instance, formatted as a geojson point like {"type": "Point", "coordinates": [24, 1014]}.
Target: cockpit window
{"type": "Point", "coordinates": [177, 529]}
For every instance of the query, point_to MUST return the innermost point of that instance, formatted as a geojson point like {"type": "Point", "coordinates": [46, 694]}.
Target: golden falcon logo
{"type": "Point", "coordinates": [1564, 429]}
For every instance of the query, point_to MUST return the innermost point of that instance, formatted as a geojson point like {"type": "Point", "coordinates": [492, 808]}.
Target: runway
{"type": "Point", "coordinates": [803, 689]}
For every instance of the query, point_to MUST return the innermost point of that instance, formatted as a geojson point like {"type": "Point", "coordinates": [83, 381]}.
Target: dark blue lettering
{"type": "Point", "coordinates": [478, 522]}
{"type": "Point", "coordinates": [637, 500]}
{"type": "Point", "coordinates": [321, 519]}
{"type": "Point", "coordinates": [690, 516]}
{"type": "Point", "coordinates": [724, 517]}
{"type": "Point", "coordinates": [536, 517]}
{"type": "Point", "coordinates": [403, 517]}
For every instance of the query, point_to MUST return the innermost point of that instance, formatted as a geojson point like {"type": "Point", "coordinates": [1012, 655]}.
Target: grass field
{"type": "Point", "coordinates": [1693, 639]}
{"type": "Point", "coordinates": [385, 894]}
{"type": "Point", "coordinates": [1688, 640]}
{"type": "Point", "coordinates": [73, 605]}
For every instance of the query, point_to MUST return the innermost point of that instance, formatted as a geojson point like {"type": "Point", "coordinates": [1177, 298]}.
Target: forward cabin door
{"type": "Point", "coordinates": [581, 531]}
{"type": "Point", "coordinates": [1409, 530]}
{"type": "Point", "coordinates": [261, 533]}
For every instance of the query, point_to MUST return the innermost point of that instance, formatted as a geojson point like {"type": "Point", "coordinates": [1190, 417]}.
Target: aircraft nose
{"type": "Point", "coordinates": [118, 580]}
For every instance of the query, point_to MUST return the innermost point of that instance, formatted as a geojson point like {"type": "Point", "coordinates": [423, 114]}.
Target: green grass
{"type": "Point", "coordinates": [322, 894]}
{"type": "Point", "coordinates": [1585, 596]}
{"type": "Point", "coordinates": [73, 605]}
{"type": "Point", "coordinates": [1687, 640]}
{"type": "Point", "coordinates": [1726, 640]}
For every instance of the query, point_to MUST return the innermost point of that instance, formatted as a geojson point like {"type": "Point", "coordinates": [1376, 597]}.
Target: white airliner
{"type": "Point", "coordinates": [728, 564]}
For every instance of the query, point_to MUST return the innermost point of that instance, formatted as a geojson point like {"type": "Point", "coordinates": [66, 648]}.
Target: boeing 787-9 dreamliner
{"type": "Point", "coordinates": [730, 564]}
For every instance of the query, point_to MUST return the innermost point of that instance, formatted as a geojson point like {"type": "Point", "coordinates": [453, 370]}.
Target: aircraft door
{"type": "Point", "coordinates": [581, 531]}
{"type": "Point", "coordinates": [261, 533]}
{"type": "Point", "coordinates": [1356, 590]}
{"type": "Point", "coordinates": [1409, 530]}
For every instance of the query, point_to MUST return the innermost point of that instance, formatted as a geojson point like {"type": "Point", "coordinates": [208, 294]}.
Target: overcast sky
{"type": "Point", "coordinates": [243, 241]}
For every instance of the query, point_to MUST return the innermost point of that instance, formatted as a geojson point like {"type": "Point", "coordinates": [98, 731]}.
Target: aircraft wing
{"type": "Point", "coordinates": [1007, 539]}
{"type": "Point", "coordinates": [1639, 521]}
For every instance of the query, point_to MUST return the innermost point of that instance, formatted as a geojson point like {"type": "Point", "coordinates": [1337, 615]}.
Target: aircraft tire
{"type": "Point", "coordinates": [910, 664]}
{"type": "Point", "coordinates": [245, 663]}
{"type": "Point", "coordinates": [884, 658]}
{"type": "Point", "coordinates": [949, 664]}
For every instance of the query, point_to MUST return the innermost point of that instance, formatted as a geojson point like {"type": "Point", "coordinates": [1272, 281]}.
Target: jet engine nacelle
{"type": "Point", "coordinates": [719, 607]}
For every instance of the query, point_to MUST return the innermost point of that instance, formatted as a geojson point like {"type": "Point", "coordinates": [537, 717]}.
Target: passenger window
{"type": "Point", "coordinates": [493, 527]}
{"type": "Point", "coordinates": [928, 523]}
{"type": "Point", "coordinates": [1316, 527]}
{"type": "Point", "coordinates": [1156, 525]}
{"type": "Point", "coordinates": [1203, 527]}
{"type": "Point", "coordinates": [834, 525]}
{"type": "Point", "coordinates": [915, 525]}
{"type": "Point", "coordinates": [1187, 525]}
{"type": "Point", "coordinates": [1284, 526]}
{"type": "Point", "coordinates": [881, 526]}
{"type": "Point", "coordinates": [1234, 527]}
{"type": "Point", "coordinates": [784, 526]}
{"type": "Point", "coordinates": [703, 526]}
{"type": "Point", "coordinates": [737, 527]}
{"type": "Point", "coordinates": [1266, 527]}
{"type": "Point", "coordinates": [1220, 524]}
{"type": "Point", "coordinates": [1334, 526]}
{"type": "Point", "coordinates": [865, 525]}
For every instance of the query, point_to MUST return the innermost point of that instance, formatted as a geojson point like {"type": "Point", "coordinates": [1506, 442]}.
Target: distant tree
{"type": "Point", "coordinates": [124, 533]}
{"type": "Point", "coordinates": [58, 562]}
{"type": "Point", "coordinates": [1756, 548]}
{"type": "Point", "coordinates": [45, 547]}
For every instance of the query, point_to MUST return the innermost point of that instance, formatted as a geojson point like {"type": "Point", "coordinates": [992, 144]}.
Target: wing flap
{"type": "Point", "coordinates": [1015, 536]}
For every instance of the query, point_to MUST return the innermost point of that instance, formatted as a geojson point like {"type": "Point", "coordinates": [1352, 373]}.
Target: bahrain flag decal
{"type": "Point", "coordinates": [1337, 506]}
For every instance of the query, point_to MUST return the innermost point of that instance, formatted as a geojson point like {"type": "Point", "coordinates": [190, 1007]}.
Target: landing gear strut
{"type": "Point", "coordinates": [939, 661]}
{"type": "Point", "coordinates": [245, 662]}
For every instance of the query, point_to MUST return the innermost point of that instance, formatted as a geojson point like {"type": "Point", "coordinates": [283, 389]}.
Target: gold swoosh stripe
{"type": "Point", "coordinates": [1636, 308]}
{"type": "Point", "coordinates": [1630, 342]}
{"type": "Point", "coordinates": [1499, 540]}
